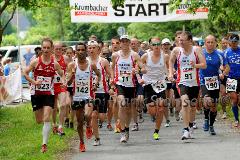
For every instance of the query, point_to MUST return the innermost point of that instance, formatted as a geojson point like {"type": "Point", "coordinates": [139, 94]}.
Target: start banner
{"type": "Point", "coordinates": [133, 11]}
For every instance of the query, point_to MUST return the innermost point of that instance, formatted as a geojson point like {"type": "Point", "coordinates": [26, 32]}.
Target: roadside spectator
{"type": "Point", "coordinates": [27, 57]}
{"type": "Point", "coordinates": [6, 68]}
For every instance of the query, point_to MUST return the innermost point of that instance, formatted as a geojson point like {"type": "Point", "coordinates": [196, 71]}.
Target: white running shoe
{"type": "Point", "coordinates": [135, 127]}
{"type": "Point", "coordinates": [224, 116]}
{"type": "Point", "coordinates": [96, 142]}
{"type": "Point", "coordinates": [186, 135]}
{"type": "Point", "coordinates": [195, 125]}
{"type": "Point", "coordinates": [123, 138]}
{"type": "Point", "coordinates": [167, 123]}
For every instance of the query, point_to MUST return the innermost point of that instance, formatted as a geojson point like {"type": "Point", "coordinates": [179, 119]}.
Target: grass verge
{"type": "Point", "coordinates": [21, 136]}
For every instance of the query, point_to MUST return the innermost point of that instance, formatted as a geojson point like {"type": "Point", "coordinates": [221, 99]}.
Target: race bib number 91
{"type": "Point", "coordinates": [211, 83]}
{"type": "Point", "coordinates": [231, 85]}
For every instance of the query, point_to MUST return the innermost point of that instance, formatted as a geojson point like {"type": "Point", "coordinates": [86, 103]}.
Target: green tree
{"type": "Point", "coordinates": [224, 15]}
{"type": "Point", "coordinates": [10, 6]}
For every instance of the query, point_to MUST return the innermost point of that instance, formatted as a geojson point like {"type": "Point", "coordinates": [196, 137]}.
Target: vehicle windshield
{"type": "Point", "coordinates": [3, 52]}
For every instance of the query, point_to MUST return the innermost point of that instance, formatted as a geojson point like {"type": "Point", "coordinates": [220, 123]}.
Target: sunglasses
{"type": "Point", "coordinates": [156, 44]}
{"type": "Point", "coordinates": [80, 49]}
{"type": "Point", "coordinates": [116, 43]}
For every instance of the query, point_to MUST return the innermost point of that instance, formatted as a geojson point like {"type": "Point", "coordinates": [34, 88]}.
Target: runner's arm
{"type": "Point", "coordinates": [94, 68]}
{"type": "Point", "coordinates": [172, 60]}
{"type": "Point", "coordinates": [28, 69]}
{"type": "Point", "coordinates": [70, 72]}
{"type": "Point", "coordinates": [107, 68]}
{"type": "Point", "coordinates": [114, 56]}
{"type": "Point", "coordinates": [140, 67]}
{"type": "Point", "coordinates": [202, 61]}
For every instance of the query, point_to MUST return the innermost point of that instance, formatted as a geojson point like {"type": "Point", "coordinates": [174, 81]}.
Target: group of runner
{"type": "Point", "coordinates": [98, 87]}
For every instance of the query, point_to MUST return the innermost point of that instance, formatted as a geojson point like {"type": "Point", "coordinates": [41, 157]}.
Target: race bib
{"type": "Point", "coordinates": [57, 79]}
{"type": "Point", "coordinates": [231, 85]}
{"type": "Point", "coordinates": [82, 87]}
{"type": "Point", "coordinates": [211, 83]}
{"type": "Point", "coordinates": [45, 83]}
{"type": "Point", "coordinates": [187, 73]}
{"type": "Point", "coordinates": [125, 78]}
{"type": "Point", "coordinates": [159, 86]}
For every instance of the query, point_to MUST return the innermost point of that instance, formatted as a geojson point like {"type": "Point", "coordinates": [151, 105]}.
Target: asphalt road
{"type": "Point", "coordinates": [224, 146]}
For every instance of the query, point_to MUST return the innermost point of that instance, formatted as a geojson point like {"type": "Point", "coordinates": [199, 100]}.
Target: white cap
{"type": "Point", "coordinates": [166, 40]}
{"type": "Point", "coordinates": [124, 37]}
{"type": "Point", "coordinates": [92, 42]}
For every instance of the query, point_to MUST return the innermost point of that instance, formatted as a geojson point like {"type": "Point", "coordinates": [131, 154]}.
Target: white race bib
{"type": "Point", "coordinates": [188, 73]}
{"type": "Point", "coordinates": [57, 78]}
{"type": "Point", "coordinates": [45, 83]}
{"type": "Point", "coordinates": [82, 87]}
{"type": "Point", "coordinates": [125, 78]}
{"type": "Point", "coordinates": [211, 83]}
{"type": "Point", "coordinates": [159, 86]}
{"type": "Point", "coordinates": [231, 85]}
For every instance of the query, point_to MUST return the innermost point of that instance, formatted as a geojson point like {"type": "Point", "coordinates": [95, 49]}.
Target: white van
{"type": "Point", "coordinates": [13, 53]}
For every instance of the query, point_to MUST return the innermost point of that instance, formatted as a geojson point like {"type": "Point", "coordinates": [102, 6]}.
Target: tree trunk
{"type": "Point", "coordinates": [1, 35]}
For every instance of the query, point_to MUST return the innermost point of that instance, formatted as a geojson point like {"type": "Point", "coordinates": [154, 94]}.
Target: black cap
{"type": "Point", "coordinates": [234, 38]}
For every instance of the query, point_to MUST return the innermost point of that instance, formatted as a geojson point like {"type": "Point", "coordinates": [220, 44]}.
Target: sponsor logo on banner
{"type": "Point", "coordinates": [132, 11]}
{"type": "Point", "coordinates": [90, 10]}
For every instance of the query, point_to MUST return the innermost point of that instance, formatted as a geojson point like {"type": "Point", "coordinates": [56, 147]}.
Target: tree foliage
{"type": "Point", "coordinates": [10, 6]}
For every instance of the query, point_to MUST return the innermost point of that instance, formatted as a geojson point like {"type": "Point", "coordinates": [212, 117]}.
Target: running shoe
{"type": "Point", "coordinates": [186, 135]}
{"type": "Point", "coordinates": [60, 132]}
{"type": "Point", "coordinates": [195, 125]}
{"type": "Point", "coordinates": [206, 125]}
{"type": "Point", "coordinates": [224, 116]}
{"type": "Point", "coordinates": [44, 148]}
{"type": "Point", "coordinates": [236, 123]}
{"type": "Point", "coordinates": [211, 130]}
{"type": "Point", "coordinates": [156, 136]}
{"type": "Point", "coordinates": [82, 147]}
{"type": "Point", "coordinates": [123, 138]}
{"type": "Point", "coordinates": [96, 142]}
{"type": "Point", "coordinates": [135, 127]}
{"type": "Point", "coordinates": [167, 123]}
{"type": "Point", "coordinates": [109, 127]}
{"type": "Point", "coordinates": [55, 130]}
